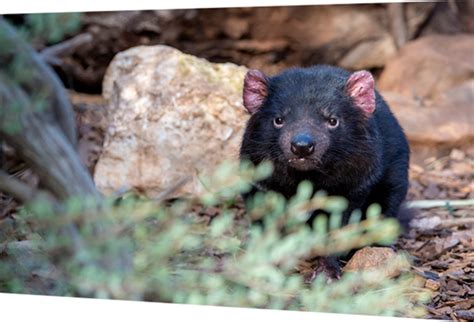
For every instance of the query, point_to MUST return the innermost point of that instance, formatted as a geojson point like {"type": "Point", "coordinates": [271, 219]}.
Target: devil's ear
{"type": "Point", "coordinates": [361, 88]}
{"type": "Point", "coordinates": [255, 90]}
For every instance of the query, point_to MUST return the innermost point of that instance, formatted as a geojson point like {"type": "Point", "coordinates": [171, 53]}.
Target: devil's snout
{"type": "Point", "coordinates": [302, 145]}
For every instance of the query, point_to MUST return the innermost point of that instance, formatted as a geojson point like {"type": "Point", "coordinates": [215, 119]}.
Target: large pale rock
{"type": "Point", "coordinates": [172, 116]}
{"type": "Point", "coordinates": [430, 88]}
{"type": "Point", "coordinates": [429, 66]}
{"type": "Point", "coordinates": [446, 120]}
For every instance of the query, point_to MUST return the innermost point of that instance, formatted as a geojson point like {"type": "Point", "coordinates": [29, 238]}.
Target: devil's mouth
{"type": "Point", "coordinates": [302, 163]}
{"type": "Point", "coordinates": [298, 159]}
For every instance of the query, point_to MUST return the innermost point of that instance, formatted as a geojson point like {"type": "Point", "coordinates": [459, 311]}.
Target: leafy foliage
{"type": "Point", "coordinates": [50, 27]}
{"type": "Point", "coordinates": [178, 258]}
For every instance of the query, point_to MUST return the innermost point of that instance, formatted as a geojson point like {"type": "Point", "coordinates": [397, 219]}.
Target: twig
{"type": "Point", "coordinates": [425, 204]}
{"type": "Point", "coordinates": [170, 191]}
{"type": "Point", "coordinates": [456, 222]}
{"type": "Point", "coordinates": [14, 187]}
{"type": "Point", "coordinates": [51, 54]}
{"type": "Point", "coordinates": [397, 23]}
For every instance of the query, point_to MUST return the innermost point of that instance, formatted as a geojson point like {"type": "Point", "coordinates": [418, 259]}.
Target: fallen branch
{"type": "Point", "coordinates": [425, 204]}
{"type": "Point", "coordinates": [397, 23]}
{"type": "Point", "coordinates": [51, 54]}
{"type": "Point", "coordinates": [15, 188]}
{"type": "Point", "coordinates": [456, 222]}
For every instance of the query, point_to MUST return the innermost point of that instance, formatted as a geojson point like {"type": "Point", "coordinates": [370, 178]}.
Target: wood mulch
{"type": "Point", "coordinates": [441, 240]}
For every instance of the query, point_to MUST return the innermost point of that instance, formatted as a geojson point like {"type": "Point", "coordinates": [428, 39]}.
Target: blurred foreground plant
{"type": "Point", "coordinates": [50, 27]}
{"type": "Point", "coordinates": [178, 258]}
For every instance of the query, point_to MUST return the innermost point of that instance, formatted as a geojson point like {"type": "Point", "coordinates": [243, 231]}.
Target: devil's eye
{"type": "Point", "coordinates": [333, 122]}
{"type": "Point", "coordinates": [278, 122]}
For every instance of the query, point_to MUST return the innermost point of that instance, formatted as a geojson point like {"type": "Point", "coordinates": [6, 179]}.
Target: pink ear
{"type": "Point", "coordinates": [360, 87]}
{"type": "Point", "coordinates": [255, 90]}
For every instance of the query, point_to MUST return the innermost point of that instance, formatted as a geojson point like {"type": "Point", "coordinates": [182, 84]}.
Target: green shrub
{"type": "Point", "coordinates": [178, 258]}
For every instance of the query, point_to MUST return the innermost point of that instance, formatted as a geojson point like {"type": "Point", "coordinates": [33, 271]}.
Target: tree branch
{"type": "Point", "coordinates": [37, 119]}
{"type": "Point", "coordinates": [42, 79]}
{"type": "Point", "coordinates": [397, 23]}
{"type": "Point", "coordinates": [42, 144]}
{"type": "Point", "coordinates": [425, 204]}
{"type": "Point", "coordinates": [51, 54]}
{"type": "Point", "coordinates": [15, 188]}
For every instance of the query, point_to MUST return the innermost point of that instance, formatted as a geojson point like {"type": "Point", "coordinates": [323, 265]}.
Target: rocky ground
{"type": "Point", "coordinates": [425, 73]}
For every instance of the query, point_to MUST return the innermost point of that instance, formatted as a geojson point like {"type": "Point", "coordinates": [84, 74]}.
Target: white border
{"type": "Point", "coordinates": [37, 6]}
{"type": "Point", "coordinates": [51, 308]}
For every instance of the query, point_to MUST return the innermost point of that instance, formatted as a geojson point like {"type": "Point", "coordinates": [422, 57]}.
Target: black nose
{"type": "Point", "coordinates": [302, 145]}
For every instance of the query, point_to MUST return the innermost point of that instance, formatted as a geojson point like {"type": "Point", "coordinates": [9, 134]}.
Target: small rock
{"type": "Point", "coordinates": [418, 281]}
{"type": "Point", "coordinates": [427, 223]}
{"type": "Point", "coordinates": [430, 65]}
{"type": "Point", "coordinates": [370, 258]}
{"type": "Point", "coordinates": [457, 155]}
{"type": "Point", "coordinates": [432, 285]}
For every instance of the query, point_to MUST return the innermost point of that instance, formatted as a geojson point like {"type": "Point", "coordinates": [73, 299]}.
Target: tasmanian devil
{"type": "Point", "coordinates": [331, 127]}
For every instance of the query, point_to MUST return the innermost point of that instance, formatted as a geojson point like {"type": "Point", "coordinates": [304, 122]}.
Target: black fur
{"type": "Point", "coordinates": [365, 159]}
